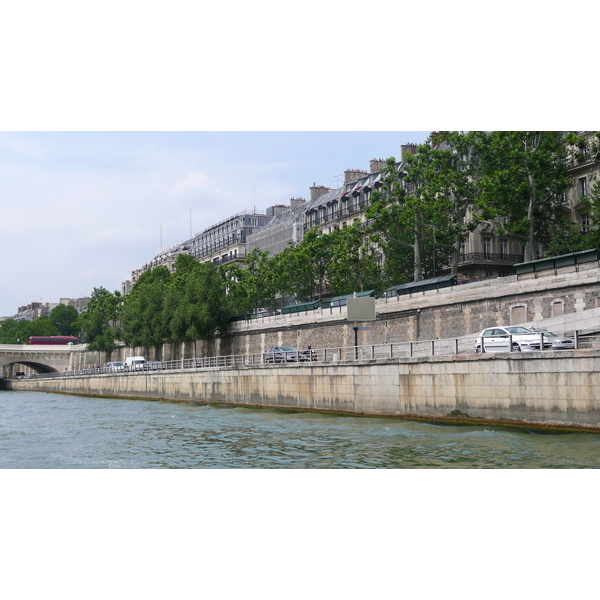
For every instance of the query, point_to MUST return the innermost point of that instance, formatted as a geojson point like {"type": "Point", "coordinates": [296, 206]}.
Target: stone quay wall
{"type": "Point", "coordinates": [556, 390]}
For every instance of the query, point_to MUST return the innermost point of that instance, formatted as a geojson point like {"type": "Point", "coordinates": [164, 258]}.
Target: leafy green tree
{"type": "Point", "coordinates": [41, 326]}
{"type": "Point", "coordinates": [143, 316]}
{"type": "Point", "coordinates": [316, 253]}
{"type": "Point", "coordinates": [99, 324]}
{"type": "Point", "coordinates": [237, 294]}
{"type": "Point", "coordinates": [451, 177]}
{"type": "Point", "coordinates": [202, 307]}
{"type": "Point", "coordinates": [13, 331]}
{"type": "Point", "coordinates": [567, 237]}
{"type": "Point", "coordinates": [288, 275]}
{"type": "Point", "coordinates": [65, 318]}
{"type": "Point", "coordinates": [523, 176]}
{"type": "Point", "coordinates": [397, 224]}
{"type": "Point", "coordinates": [255, 278]}
{"type": "Point", "coordinates": [354, 266]}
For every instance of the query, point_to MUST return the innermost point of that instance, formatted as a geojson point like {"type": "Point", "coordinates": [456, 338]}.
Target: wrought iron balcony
{"type": "Point", "coordinates": [488, 257]}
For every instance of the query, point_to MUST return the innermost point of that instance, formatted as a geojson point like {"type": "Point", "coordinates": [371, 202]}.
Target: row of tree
{"type": "Point", "coordinates": [416, 224]}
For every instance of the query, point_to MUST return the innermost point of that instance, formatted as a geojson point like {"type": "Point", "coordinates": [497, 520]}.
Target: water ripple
{"type": "Point", "coordinates": [51, 431]}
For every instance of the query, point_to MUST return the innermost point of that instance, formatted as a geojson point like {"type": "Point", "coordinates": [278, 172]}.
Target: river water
{"type": "Point", "coordinates": [55, 431]}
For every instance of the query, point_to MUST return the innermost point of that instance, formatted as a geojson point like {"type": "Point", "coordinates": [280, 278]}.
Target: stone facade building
{"type": "Point", "coordinates": [221, 243]}
{"type": "Point", "coordinates": [285, 228]}
{"type": "Point", "coordinates": [585, 171]}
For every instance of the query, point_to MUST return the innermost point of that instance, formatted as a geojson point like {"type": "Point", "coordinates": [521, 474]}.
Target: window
{"type": "Point", "coordinates": [582, 186]}
{"type": "Point", "coordinates": [487, 247]}
{"type": "Point", "coordinates": [585, 223]}
{"type": "Point", "coordinates": [504, 247]}
{"type": "Point", "coordinates": [518, 314]}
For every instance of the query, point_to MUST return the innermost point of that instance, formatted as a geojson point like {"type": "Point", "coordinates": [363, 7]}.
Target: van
{"type": "Point", "coordinates": [134, 363]}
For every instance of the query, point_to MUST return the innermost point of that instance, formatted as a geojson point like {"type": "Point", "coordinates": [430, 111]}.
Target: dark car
{"type": "Point", "coordinates": [281, 354]}
{"type": "Point", "coordinates": [152, 365]}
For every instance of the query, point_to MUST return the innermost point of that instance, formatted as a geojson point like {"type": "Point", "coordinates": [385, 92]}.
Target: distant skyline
{"type": "Point", "coordinates": [83, 209]}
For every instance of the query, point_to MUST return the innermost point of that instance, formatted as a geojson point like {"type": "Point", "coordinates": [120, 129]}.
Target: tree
{"type": "Point", "coordinates": [99, 322]}
{"type": "Point", "coordinates": [255, 278]}
{"type": "Point", "coordinates": [65, 318]}
{"type": "Point", "coordinates": [354, 263]}
{"type": "Point", "coordinates": [451, 177]}
{"type": "Point", "coordinates": [567, 237]}
{"type": "Point", "coordinates": [315, 252]}
{"type": "Point", "coordinates": [14, 331]}
{"type": "Point", "coordinates": [143, 318]}
{"type": "Point", "coordinates": [397, 222]}
{"type": "Point", "coordinates": [523, 176]}
{"type": "Point", "coordinates": [201, 307]}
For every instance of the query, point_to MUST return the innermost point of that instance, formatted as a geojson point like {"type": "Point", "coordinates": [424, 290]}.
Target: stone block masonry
{"type": "Point", "coordinates": [555, 390]}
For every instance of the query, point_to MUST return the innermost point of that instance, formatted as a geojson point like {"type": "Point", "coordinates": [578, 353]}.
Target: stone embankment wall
{"type": "Point", "coordinates": [550, 389]}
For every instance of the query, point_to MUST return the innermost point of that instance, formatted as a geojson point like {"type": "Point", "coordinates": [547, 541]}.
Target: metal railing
{"type": "Point", "coordinates": [334, 355]}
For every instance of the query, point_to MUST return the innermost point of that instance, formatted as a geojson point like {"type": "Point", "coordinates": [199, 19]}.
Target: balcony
{"type": "Point", "coordinates": [490, 258]}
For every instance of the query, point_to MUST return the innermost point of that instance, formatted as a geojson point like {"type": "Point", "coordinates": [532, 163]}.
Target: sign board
{"type": "Point", "coordinates": [361, 309]}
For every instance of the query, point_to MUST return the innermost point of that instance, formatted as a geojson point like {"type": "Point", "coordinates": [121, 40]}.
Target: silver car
{"type": "Point", "coordinates": [558, 342]}
{"type": "Point", "coordinates": [510, 339]}
{"type": "Point", "coordinates": [279, 354]}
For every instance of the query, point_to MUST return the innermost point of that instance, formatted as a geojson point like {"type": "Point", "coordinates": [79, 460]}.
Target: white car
{"type": "Point", "coordinates": [510, 339]}
{"type": "Point", "coordinates": [114, 367]}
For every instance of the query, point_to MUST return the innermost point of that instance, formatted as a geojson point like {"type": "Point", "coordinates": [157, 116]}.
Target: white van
{"type": "Point", "coordinates": [134, 363]}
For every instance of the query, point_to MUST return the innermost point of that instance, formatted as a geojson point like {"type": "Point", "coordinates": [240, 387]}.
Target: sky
{"type": "Point", "coordinates": [81, 210]}
{"type": "Point", "coordinates": [115, 134]}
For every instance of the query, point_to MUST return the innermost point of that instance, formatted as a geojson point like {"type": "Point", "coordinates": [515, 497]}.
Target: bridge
{"type": "Point", "coordinates": [41, 359]}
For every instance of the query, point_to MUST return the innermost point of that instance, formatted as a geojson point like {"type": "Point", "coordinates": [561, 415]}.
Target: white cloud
{"type": "Point", "coordinates": [193, 183]}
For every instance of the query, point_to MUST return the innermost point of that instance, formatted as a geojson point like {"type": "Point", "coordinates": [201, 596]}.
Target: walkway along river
{"type": "Point", "coordinates": [559, 389]}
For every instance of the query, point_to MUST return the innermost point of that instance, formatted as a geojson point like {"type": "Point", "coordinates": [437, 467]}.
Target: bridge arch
{"type": "Point", "coordinates": [37, 358]}
{"type": "Point", "coordinates": [35, 366]}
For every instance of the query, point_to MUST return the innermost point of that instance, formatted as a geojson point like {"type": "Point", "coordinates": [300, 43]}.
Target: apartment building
{"type": "Point", "coordinates": [585, 171]}
{"type": "Point", "coordinates": [226, 241]}
{"type": "Point", "coordinates": [35, 310]}
{"type": "Point", "coordinates": [221, 243]}
{"type": "Point", "coordinates": [286, 227]}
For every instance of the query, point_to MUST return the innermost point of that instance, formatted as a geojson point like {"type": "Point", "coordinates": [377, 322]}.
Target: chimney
{"type": "Point", "coordinates": [353, 175]}
{"type": "Point", "coordinates": [317, 190]}
{"type": "Point", "coordinates": [407, 149]}
{"type": "Point", "coordinates": [296, 201]}
{"type": "Point", "coordinates": [377, 164]}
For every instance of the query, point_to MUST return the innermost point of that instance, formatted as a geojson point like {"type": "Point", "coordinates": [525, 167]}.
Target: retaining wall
{"type": "Point", "coordinates": [549, 389]}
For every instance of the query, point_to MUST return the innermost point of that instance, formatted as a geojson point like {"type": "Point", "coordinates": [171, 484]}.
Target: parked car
{"type": "Point", "coordinates": [114, 367]}
{"type": "Point", "coordinates": [558, 342]}
{"type": "Point", "coordinates": [280, 354]}
{"type": "Point", "coordinates": [498, 339]}
{"type": "Point", "coordinates": [152, 365]}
